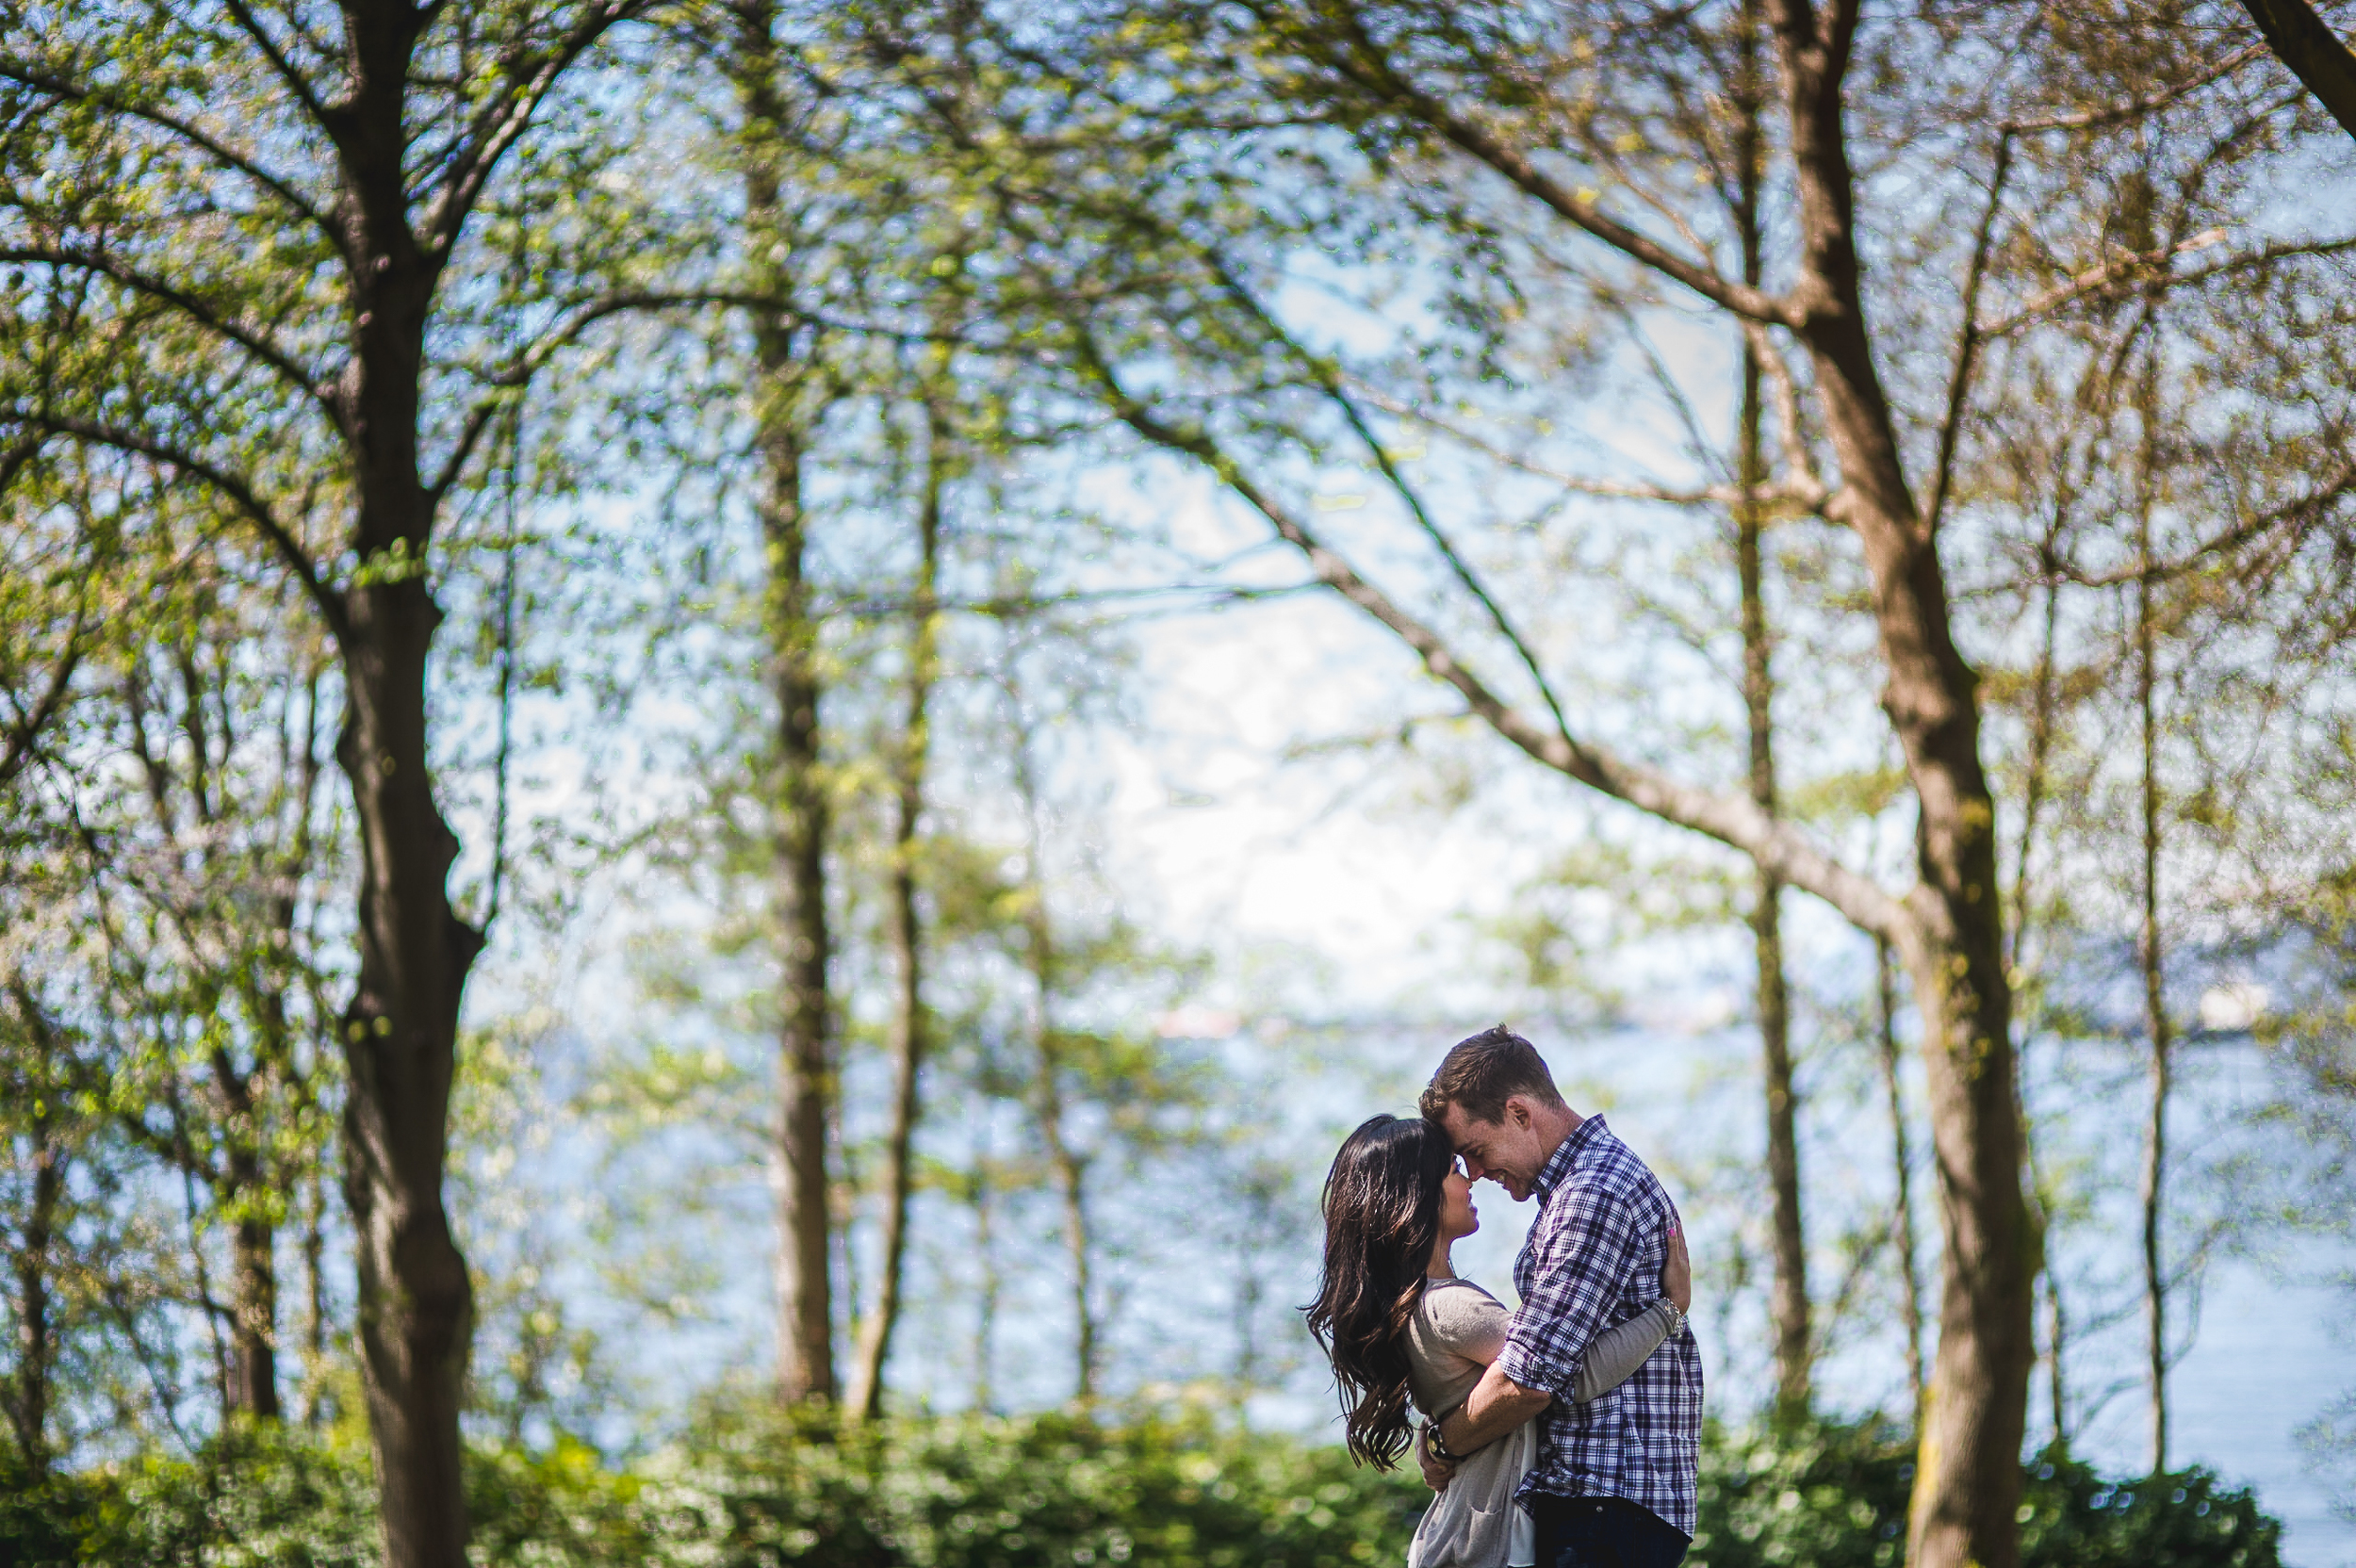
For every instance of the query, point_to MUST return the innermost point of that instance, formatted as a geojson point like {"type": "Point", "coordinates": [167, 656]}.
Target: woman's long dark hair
{"type": "Point", "coordinates": [1382, 1216]}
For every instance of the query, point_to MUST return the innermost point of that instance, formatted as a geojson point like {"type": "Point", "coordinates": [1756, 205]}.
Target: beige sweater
{"type": "Point", "coordinates": [1456, 1332]}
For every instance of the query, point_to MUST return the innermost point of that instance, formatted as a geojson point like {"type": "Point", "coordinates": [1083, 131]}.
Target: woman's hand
{"type": "Point", "coordinates": [1677, 1274]}
{"type": "Point", "coordinates": [1437, 1471]}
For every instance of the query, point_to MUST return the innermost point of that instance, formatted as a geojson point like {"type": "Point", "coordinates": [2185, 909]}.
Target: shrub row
{"type": "Point", "coordinates": [1038, 1492]}
{"type": "Point", "coordinates": [1835, 1496]}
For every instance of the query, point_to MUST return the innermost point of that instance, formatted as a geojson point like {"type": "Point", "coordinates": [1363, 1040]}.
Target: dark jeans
{"type": "Point", "coordinates": [1604, 1532]}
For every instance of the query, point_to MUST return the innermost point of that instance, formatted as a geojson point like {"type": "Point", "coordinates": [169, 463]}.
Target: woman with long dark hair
{"type": "Point", "coordinates": [1400, 1326]}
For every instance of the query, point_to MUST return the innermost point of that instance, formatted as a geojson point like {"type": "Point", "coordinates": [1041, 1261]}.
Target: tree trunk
{"type": "Point", "coordinates": [804, 1285]}
{"type": "Point", "coordinates": [2155, 998]}
{"type": "Point", "coordinates": [253, 1340]}
{"type": "Point", "coordinates": [315, 1284]}
{"type": "Point", "coordinates": [36, 1336]}
{"type": "Point", "coordinates": [798, 1184]}
{"type": "Point", "coordinates": [1789, 1304]}
{"type": "Point", "coordinates": [2056, 1337]}
{"type": "Point", "coordinates": [1071, 1187]}
{"type": "Point", "coordinates": [909, 1025]}
{"type": "Point", "coordinates": [986, 1303]}
{"type": "Point", "coordinates": [238, 1099]}
{"type": "Point", "coordinates": [1902, 1158]}
{"type": "Point", "coordinates": [399, 1031]}
{"type": "Point", "coordinates": [1790, 1298]}
{"type": "Point", "coordinates": [415, 1315]}
{"type": "Point", "coordinates": [1068, 1166]}
{"type": "Point", "coordinates": [2303, 41]}
{"type": "Point", "coordinates": [1968, 1475]}
{"type": "Point", "coordinates": [2032, 806]}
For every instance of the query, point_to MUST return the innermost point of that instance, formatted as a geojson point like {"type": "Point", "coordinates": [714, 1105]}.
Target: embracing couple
{"type": "Point", "coordinates": [1567, 1432]}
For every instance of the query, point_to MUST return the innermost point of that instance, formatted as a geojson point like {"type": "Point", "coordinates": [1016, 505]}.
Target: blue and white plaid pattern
{"type": "Point", "coordinates": [1593, 1260]}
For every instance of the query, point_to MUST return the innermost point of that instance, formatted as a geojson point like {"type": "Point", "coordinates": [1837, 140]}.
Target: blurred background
{"type": "Point", "coordinates": [1002, 621]}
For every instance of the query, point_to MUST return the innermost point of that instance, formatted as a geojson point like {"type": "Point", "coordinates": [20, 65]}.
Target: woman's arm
{"type": "Point", "coordinates": [1613, 1355]}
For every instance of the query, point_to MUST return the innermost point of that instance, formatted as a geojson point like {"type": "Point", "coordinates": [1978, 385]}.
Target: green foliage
{"type": "Point", "coordinates": [750, 1491]}
{"type": "Point", "coordinates": [755, 1489]}
{"type": "Point", "coordinates": [554, 1508]}
{"type": "Point", "coordinates": [275, 1498]}
{"type": "Point", "coordinates": [2182, 1519]}
{"type": "Point", "coordinates": [41, 1521]}
{"type": "Point", "coordinates": [1833, 1496]}
{"type": "Point", "coordinates": [989, 1493]}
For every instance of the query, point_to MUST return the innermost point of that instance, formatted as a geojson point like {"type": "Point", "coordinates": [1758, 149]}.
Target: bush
{"type": "Point", "coordinates": [983, 1493]}
{"type": "Point", "coordinates": [759, 1490]}
{"type": "Point", "coordinates": [265, 1496]}
{"type": "Point", "coordinates": [41, 1523]}
{"type": "Point", "coordinates": [257, 1495]}
{"type": "Point", "coordinates": [1833, 1496]}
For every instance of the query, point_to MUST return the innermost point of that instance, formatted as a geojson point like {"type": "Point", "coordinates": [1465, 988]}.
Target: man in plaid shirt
{"type": "Point", "coordinates": [1614, 1483]}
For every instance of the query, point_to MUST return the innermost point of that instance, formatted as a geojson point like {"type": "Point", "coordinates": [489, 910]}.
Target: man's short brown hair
{"type": "Point", "coordinates": [1479, 1075]}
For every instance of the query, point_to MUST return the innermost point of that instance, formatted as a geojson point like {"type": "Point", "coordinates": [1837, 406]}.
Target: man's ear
{"type": "Point", "coordinates": [1517, 1112]}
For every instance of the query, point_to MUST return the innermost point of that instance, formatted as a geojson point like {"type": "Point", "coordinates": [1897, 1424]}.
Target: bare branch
{"type": "Point", "coordinates": [1967, 340]}
{"type": "Point", "coordinates": [2136, 108]}
{"type": "Point", "coordinates": [296, 82]}
{"type": "Point", "coordinates": [1331, 384]}
{"type": "Point", "coordinates": [212, 147]}
{"type": "Point", "coordinates": [232, 487]}
{"type": "Point", "coordinates": [517, 373]}
{"type": "Point", "coordinates": [187, 305]}
{"type": "Point", "coordinates": [2129, 275]}
{"type": "Point", "coordinates": [1807, 487]}
{"type": "Point", "coordinates": [1015, 607]}
{"type": "Point", "coordinates": [509, 114]}
{"type": "Point", "coordinates": [2222, 543]}
{"type": "Point", "coordinates": [1371, 69]}
{"type": "Point", "coordinates": [2265, 255]}
{"type": "Point", "coordinates": [1733, 820]}
{"type": "Point", "coordinates": [2133, 270]}
{"type": "Point", "coordinates": [1802, 496]}
{"type": "Point", "coordinates": [25, 735]}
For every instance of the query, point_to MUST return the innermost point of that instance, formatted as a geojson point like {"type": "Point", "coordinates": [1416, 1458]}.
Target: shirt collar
{"type": "Point", "coordinates": [1565, 1155]}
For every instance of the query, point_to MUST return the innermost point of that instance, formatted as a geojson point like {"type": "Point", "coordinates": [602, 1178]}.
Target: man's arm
{"type": "Point", "coordinates": [1496, 1405]}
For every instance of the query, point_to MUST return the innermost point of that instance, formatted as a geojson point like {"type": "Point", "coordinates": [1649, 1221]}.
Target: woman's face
{"type": "Point", "coordinates": [1458, 1217]}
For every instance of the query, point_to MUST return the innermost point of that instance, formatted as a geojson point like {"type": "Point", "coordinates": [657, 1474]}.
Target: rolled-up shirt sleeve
{"type": "Point", "coordinates": [1588, 1244]}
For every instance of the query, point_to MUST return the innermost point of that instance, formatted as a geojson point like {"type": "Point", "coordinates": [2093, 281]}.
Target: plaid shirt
{"type": "Point", "coordinates": [1593, 1260]}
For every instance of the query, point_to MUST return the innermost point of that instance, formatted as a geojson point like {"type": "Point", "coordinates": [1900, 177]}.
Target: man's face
{"type": "Point", "coordinates": [1509, 1152]}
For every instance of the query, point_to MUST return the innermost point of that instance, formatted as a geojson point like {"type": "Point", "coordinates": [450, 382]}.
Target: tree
{"type": "Point", "coordinates": [1789, 1305]}
{"type": "Point", "coordinates": [1902, 1240]}
{"type": "Point", "coordinates": [266, 229]}
{"type": "Point", "coordinates": [793, 382]}
{"type": "Point", "coordinates": [80, 593]}
{"type": "Point", "coordinates": [911, 1024]}
{"type": "Point", "coordinates": [206, 874]}
{"type": "Point", "coordinates": [39, 1084]}
{"type": "Point", "coordinates": [2149, 955]}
